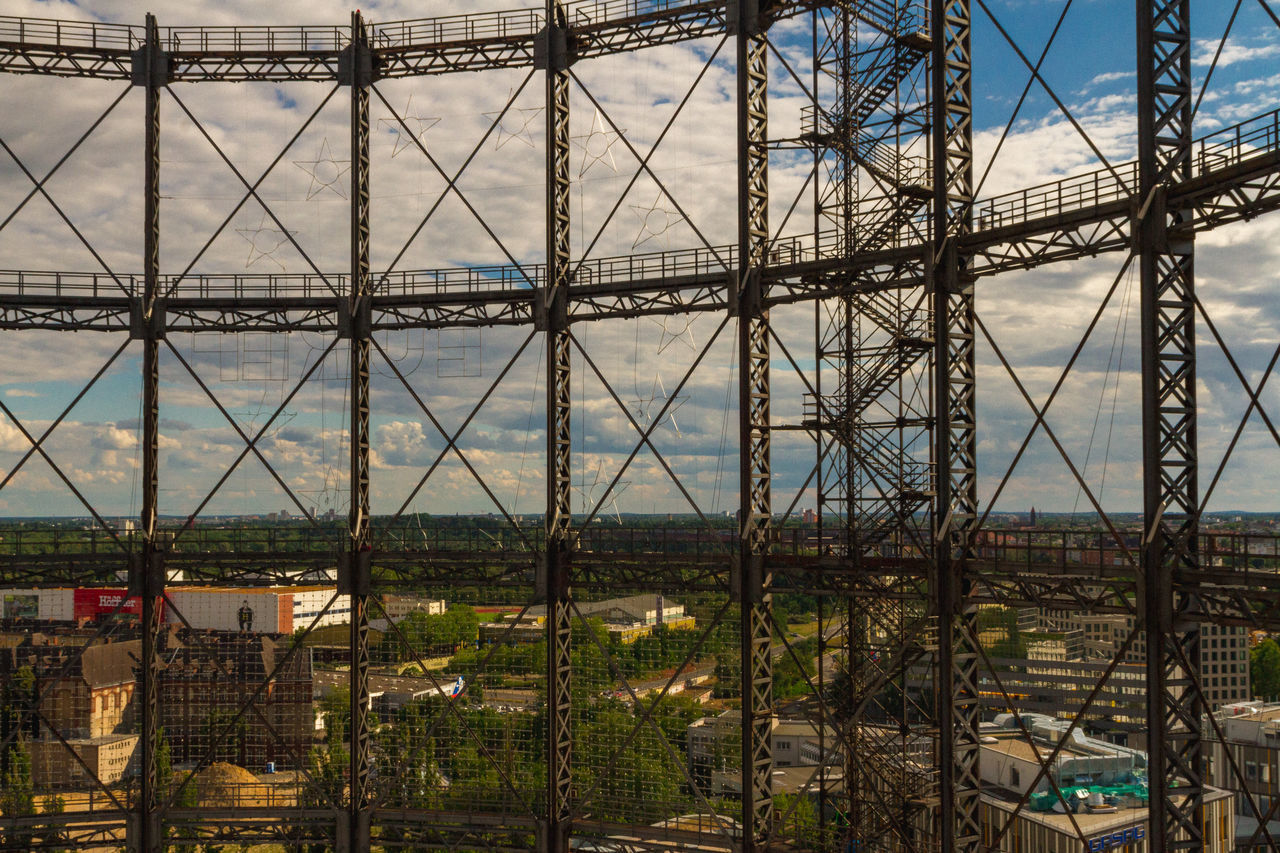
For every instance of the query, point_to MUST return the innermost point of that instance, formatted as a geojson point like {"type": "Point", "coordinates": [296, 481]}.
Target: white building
{"type": "Point", "coordinates": [399, 606]}
{"type": "Point", "coordinates": [712, 745]}
{"type": "Point", "coordinates": [1103, 785]}
{"type": "Point", "coordinates": [260, 609]}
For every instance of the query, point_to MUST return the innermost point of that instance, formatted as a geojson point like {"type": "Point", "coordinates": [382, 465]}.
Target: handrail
{"type": "Point", "coordinates": [94, 35]}
{"type": "Point", "coordinates": [515, 23]}
{"type": "Point", "coordinates": [499, 25]}
{"type": "Point", "coordinates": [1034, 549]}
{"type": "Point", "coordinates": [1218, 150]}
{"type": "Point", "coordinates": [1238, 142]}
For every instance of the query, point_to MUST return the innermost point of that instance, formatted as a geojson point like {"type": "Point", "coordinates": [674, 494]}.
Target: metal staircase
{"type": "Point", "coordinates": [899, 486]}
{"type": "Point", "coordinates": [842, 128]}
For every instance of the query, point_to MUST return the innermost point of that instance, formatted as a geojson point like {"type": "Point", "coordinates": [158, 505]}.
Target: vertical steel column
{"type": "Point", "coordinates": [554, 317]}
{"type": "Point", "coordinates": [954, 436]}
{"type": "Point", "coordinates": [359, 75]}
{"type": "Point", "coordinates": [755, 500]}
{"type": "Point", "coordinates": [146, 570]}
{"type": "Point", "coordinates": [1165, 244]}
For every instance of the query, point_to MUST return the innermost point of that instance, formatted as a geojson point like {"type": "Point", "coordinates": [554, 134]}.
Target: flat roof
{"type": "Point", "coordinates": [1016, 745]}
{"type": "Point", "coordinates": [1089, 822]}
{"type": "Point", "coordinates": [1261, 715]}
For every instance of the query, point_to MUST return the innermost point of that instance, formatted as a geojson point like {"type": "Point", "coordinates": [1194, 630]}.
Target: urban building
{"type": "Point", "coordinates": [626, 619]}
{"type": "Point", "coordinates": [88, 717]}
{"type": "Point", "coordinates": [397, 607]}
{"type": "Point", "coordinates": [78, 762]}
{"type": "Point", "coordinates": [89, 694]}
{"type": "Point", "coordinates": [262, 609]}
{"type": "Point", "coordinates": [240, 698]}
{"type": "Point", "coordinates": [1247, 763]}
{"type": "Point", "coordinates": [268, 610]}
{"type": "Point", "coordinates": [1224, 663]}
{"type": "Point", "coordinates": [712, 751]}
{"type": "Point", "coordinates": [1103, 791]}
{"type": "Point", "coordinates": [1224, 649]}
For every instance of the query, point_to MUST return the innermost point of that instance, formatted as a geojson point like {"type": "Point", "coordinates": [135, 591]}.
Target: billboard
{"type": "Point", "coordinates": [19, 605]}
{"type": "Point", "coordinates": [96, 603]}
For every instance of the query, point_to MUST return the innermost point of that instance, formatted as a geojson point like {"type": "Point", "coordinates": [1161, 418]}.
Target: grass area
{"type": "Point", "coordinates": [804, 629]}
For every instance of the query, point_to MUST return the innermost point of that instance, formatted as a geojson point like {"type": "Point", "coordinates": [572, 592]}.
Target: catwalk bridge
{"type": "Point", "coordinates": [1236, 177]}
{"type": "Point", "coordinates": [1239, 578]}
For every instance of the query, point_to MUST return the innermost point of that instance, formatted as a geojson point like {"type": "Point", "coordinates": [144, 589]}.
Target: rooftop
{"type": "Point", "coordinates": [1261, 712]}
{"type": "Point", "coordinates": [1089, 822]}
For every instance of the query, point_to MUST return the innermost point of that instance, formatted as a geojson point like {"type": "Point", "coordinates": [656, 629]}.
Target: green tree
{"type": "Point", "coordinates": [793, 670]}
{"type": "Point", "coordinates": [637, 784]}
{"type": "Point", "coordinates": [432, 635]}
{"type": "Point", "coordinates": [329, 766]}
{"type": "Point", "coordinates": [799, 815]}
{"type": "Point", "coordinates": [55, 835]}
{"type": "Point", "coordinates": [16, 697]}
{"type": "Point", "coordinates": [1264, 669]}
{"type": "Point", "coordinates": [408, 755]}
{"type": "Point", "coordinates": [186, 796]}
{"type": "Point", "coordinates": [17, 799]}
{"type": "Point", "coordinates": [227, 734]}
{"type": "Point", "coordinates": [335, 706]}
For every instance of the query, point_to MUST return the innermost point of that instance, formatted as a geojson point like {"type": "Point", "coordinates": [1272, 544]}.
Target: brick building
{"type": "Point", "coordinates": [210, 676]}
{"type": "Point", "coordinates": [93, 697]}
{"type": "Point", "coordinates": [88, 715]}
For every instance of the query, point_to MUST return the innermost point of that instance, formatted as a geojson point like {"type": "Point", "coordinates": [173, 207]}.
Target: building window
{"type": "Point", "coordinates": [1013, 777]}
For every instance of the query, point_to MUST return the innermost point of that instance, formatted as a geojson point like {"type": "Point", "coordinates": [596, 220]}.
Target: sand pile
{"type": "Point", "coordinates": [223, 784]}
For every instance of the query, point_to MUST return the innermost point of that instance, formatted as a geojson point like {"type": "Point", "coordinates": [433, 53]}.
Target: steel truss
{"type": "Point", "coordinates": [890, 268]}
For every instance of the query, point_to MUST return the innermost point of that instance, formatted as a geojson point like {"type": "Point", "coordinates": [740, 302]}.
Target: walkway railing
{"type": "Point", "coordinates": [1220, 150]}
{"type": "Point", "coordinates": [1031, 548]}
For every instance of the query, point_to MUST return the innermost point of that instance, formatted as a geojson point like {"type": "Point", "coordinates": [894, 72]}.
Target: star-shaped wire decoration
{"type": "Point", "coordinates": [328, 494]}
{"type": "Point", "coordinates": [672, 334]}
{"type": "Point", "coordinates": [655, 222]}
{"type": "Point", "coordinates": [521, 134]}
{"type": "Point", "coordinates": [597, 146]}
{"type": "Point", "coordinates": [419, 125]}
{"type": "Point", "coordinates": [325, 171]}
{"type": "Point", "coordinates": [264, 241]}
{"type": "Point", "coordinates": [250, 419]}
{"type": "Point", "coordinates": [592, 494]}
{"type": "Point", "coordinates": [644, 407]}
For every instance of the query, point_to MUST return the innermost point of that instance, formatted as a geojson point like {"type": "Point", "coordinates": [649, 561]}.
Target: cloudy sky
{"type": "Point", "coordinates": [1035, 318]}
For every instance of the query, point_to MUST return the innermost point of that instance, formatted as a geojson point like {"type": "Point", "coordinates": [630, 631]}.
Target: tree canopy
{"type": "Point", "coordinates": [1264, 668]}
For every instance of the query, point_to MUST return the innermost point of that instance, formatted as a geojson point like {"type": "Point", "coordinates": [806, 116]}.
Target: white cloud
{"type": "Point", "coordinates": [1036, 316]}
{"type": "Point", "coordinates": [1232, 52]}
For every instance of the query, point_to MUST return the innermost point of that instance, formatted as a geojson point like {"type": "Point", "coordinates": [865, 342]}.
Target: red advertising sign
{"type": "Point", "coordinates": [97, 603]}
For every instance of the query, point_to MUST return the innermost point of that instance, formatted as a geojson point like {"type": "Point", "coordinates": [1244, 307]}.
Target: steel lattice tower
{"type": "Point", "coordinates": [900, 558]}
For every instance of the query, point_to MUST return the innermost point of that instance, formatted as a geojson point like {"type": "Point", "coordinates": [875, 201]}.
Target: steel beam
{"type": "Point", "coordinates": [1164, 242]}
{"type": "Point", "coordinates": [553, 314]}
{"type": "Point", "coordinates": [146, 569]}
{"type": "Point", "coordinates": [1248, 186]}
{"type": "Point", "coordinates": [358, 74]}
{"type": "Point", "coordinates": [755, 501]}
{"type": "Point", "coordinates": [955, 439]}
{"type": "Point", "coordinates": [1176, 188]}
